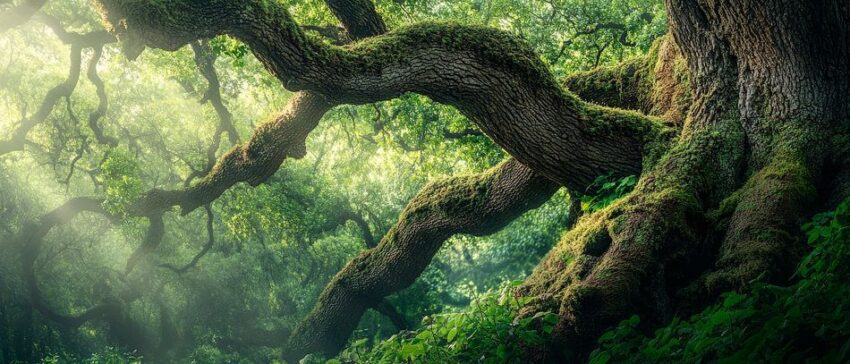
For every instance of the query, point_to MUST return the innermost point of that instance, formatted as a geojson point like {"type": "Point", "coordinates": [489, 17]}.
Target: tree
{"type": "Point", "coordinates": [733, 150]}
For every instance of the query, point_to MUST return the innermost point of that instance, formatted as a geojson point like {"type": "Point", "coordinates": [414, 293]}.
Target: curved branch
{"type": "Point", "coordinates": [383, 307]}
{"type": "Point", "coordinates": [368, 238]}
{"type": "Point", "coordinates": [205, 60]}
{"type": "Point", "coordinates": [493, 78]}
{"type": "Point", "coordinates": [153, 237]}
{"type": "Point", "coordinates": [19, 14]}
{"type": "Point", "coordinates": [623, 31]}
{"type": "Point", "coordinates": [112, 310]}
{"type": "Point", "coordinates": [31, 238]}
{"type": "Point", "coordinates": [253, 162]}
{"type": "Point", "coordinates": [103, 102]}
{"type": "Point", "coordinates": [17, 139]}
{"type": "Point", "coordinates": [204, 250]}
{"type": "Point", "coordinates": [358, 17]}
{"type": "Point", "coordinates": [344, 215]}
{"type": "Point", "coordinates": [387, 309]}
{"type": "Point", "coordinates": [655, 84]}
{"type": "Point", "coordinates": [479, 205]}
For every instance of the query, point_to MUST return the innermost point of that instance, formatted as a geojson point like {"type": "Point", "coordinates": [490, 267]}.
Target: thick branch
{"type": "Point", "coordinates": [656, 83]}
{"type": "Point", "coordinates": [252, 162]}
{"type": "Point", "coordinates": [358, 17]}
{"type": "Point", "coordinates": [493, 78]}
{"type": "Point", "coordinates": [478, 205]}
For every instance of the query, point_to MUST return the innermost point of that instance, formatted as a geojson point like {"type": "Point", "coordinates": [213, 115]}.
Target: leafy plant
{"type": "Point", "coordinates": [110, 355]}
{"type": "Point", "coordinates": [605, 190]}
{"type": "Point", "coordinates": [805, 322]}
{"type": "Point", "coordinates": [227, 46]}
{"type": "Point", "coordinates": [488, 332]}
{"type": "Point", "coordinates": [119, 174]}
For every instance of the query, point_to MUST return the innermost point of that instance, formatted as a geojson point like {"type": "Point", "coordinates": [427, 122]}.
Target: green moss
{"type": "Point", "coordinates": [598, 244]}
{"type": "Point", "coordinates": [656, 83]}
{"type": "Point", "coordinates": [652, 134]}
{"type": "Point", "coordinates": [496, 47]}
{"type": "Point", "coordinates": [624, 85]}
{"type": "Point", "coordinates": [803, 322]}
{"type": "Point", "coordinates": [453, 196]}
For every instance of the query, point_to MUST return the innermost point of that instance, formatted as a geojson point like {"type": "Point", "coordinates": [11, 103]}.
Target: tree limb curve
{"type": "Point", "coordinates": [478, 205]}
{"type": "Point", "coordinates": [491, 77]}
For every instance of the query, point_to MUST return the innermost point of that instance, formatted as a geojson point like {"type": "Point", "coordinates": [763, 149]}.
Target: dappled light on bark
{"type": "Point", "coordinates": [672, 172]}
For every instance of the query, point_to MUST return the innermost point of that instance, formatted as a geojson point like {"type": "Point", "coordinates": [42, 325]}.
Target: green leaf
{"type": "Point", "coordinates": [412, 351]}
{"type": "Point", "coordinates": [452, 334]}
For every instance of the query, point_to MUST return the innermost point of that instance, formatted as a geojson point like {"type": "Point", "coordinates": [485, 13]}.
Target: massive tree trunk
{"type": "Point", "coordinates": [765, 128]}
{"type": "Point", "coordinates": [737, 156]}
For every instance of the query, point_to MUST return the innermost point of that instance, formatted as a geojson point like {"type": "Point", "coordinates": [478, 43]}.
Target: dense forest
{"type": "Point", "coordinates": [424, 181]}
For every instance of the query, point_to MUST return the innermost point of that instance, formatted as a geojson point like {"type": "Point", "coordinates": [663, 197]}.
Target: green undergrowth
{"type": "Point", "coordinates": [804, 322]}
{"type": "Point", "coordinates": [110, 355]}
{"type": "Point", "coordinates": [605, 190]}
{"type": "Point", "coordinates": [487, 332]}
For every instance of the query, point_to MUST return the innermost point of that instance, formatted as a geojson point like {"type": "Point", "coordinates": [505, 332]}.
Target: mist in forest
{"type": "Point", "coordinates": [424, 181]}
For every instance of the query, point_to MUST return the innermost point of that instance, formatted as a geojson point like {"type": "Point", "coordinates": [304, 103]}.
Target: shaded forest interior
{"type": "Point", "coordinates": [424, 181]}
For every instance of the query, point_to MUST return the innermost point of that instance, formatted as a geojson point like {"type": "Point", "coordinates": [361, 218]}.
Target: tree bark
{"type": "Point", "coordinates": [723, 207]}
{"type": "Point", "coordinates": [491, 77]}
{"type": "Point", "coordinates": [477, 205]}
{"type": "Point", "coordinates": [716, 207]}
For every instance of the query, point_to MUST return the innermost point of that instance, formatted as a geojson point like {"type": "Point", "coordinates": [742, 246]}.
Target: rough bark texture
{"type": "Point", "coordinates": [757, 92]}
{"type": "Point", "coordinates": [722, 207]}
{"type": "Point", "coordinates": [655, 84]}
{"type": "Point", "coordinates": [358, 17]}
{"type": "Point", "coordinates": [494, 79]}
{"type": "Point", "coordinates": [477, 205]}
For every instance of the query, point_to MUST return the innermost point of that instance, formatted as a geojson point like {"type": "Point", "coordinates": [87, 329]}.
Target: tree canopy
{"type": "Point", "coordinates": [418, 180]}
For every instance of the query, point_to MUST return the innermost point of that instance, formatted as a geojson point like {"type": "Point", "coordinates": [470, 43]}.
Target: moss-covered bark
{"type": "Point", "coordinates": [722, 208]}
{"type": "Point", "coordinates": [478, 205]}
{"type": "Point", "coordinates": [716, 206]}
{"type": "Point", "coordinates": [492, 77]}
{"type": "Point", "coordinates": [656, 83]}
